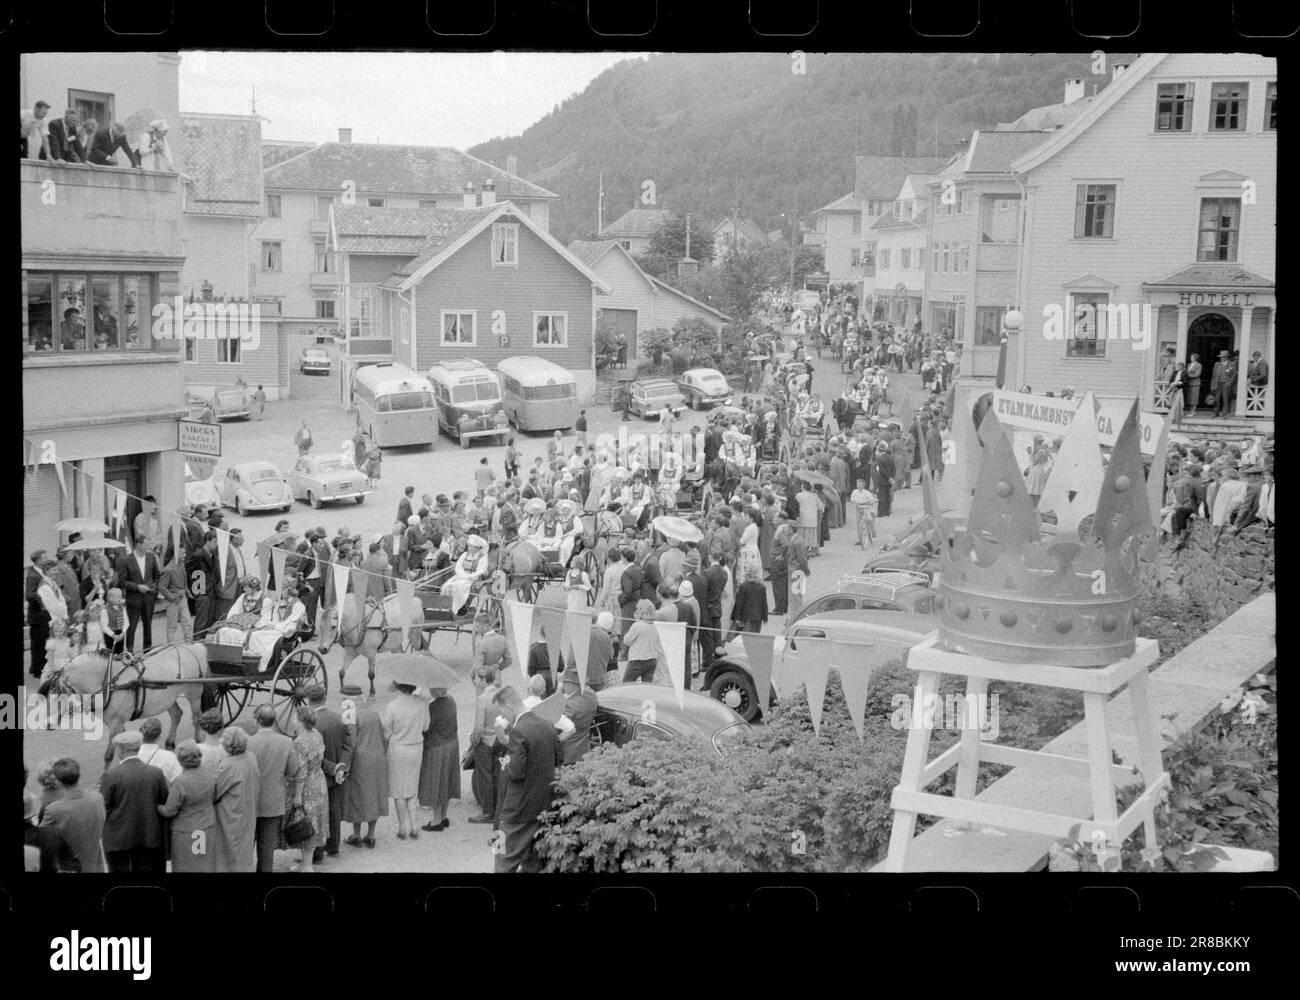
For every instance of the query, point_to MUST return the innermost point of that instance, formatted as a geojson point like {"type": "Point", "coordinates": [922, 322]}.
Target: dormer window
{"type": "Point", "coordinates": [505, 244]}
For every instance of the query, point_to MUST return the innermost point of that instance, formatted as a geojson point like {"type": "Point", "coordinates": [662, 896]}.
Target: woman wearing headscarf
{"type": "Point", "coordinates": [785, 530]}
{"type": "Point", "coordinates": [440, 761]}
{"type": "Point", "coordinates": [238, 783]}
{"type": "Point", "coordinates": [193, 816]}
{"type": "Point", "coordinates": [404, 719]}
{"type": "Point", "coordinates": [365, 789]}
{"type": "Point", "coordinates": [310, 790]}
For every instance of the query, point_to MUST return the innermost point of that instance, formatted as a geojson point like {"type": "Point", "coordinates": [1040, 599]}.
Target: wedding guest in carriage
{"type": "Point", "coordinates": [470, 568]}
{"type": "Point", "coordinates": [279, 617]}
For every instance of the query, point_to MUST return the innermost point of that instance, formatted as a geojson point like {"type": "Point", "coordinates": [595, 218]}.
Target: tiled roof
{"type": "Point", "coordinates": [466, 220]}
{"type": "Point", "coordinates": [848, 203]}
{"type": "Point", "coordinates": [423, 170]}
{"type": "Point", "coordinates": [278, 150]}
{"type": "Point", "coordinates": [590, 251]}
{"type": "Point", "coordinates": [1212, 276]}
{"type": "Point", "coordinates": [637, 222]}
{"type": "Point", "coordinates": [390, 230]}
{"type": "Point", "coordinates": [893, 222]}
{"type": "Point", "coordinates": [659, 284]}
{"type": "Point", "coordinates": [994, 152]}
{"type": "Point", "coordinates": [747, 228]}
{"type": "Point", "coordinates": [222, 154]}
{"type": "Point", "coordinates": [1047, 117]}
{"type": "Point", "coordinates": [882, 176]}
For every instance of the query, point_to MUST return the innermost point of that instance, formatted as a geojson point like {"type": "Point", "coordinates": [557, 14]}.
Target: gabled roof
{"type": "Point", "coordinates": [994, 152]}
{"type": "Point", "coordinates": [881, 177]}
{"type": "Point", "coordinates": [848, 203]}
{"type": "Point", "coordinates": [359, 229]}
{"type": "Point", "coordinates": [1211, 276]}
{"type": "Point", "coordinates": [278, 150]}
{"type": "Point", "coordinates": [639, 222]}
{"type": "Point", "coordinates": [222, 155]}
{"type": "Point", "coordinates": [665, 287]}
{"type": "Point", "coordinates": [1048, 117]}
{"type": "Point", "coordinates": [886, 222]}
{"type": "Point", "coordinates": [426, 170]}
{"type": "Point", "coordinates": [591, 252]}
{"type": "Point", "coordinates": [747, 228]}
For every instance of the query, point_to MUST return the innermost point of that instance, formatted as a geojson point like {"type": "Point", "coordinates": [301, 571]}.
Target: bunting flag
{"type": "Point", "coordinates": [758, 651]}
{"type": "Point", "coordinates": [407, 603]}
{"type": "Point", "coordinates": [263, 563]}
{"type": "Point", "coordinates": [813, 666]}
{"type": "Point", "coordinates": [119, 513]}
{"type": "Point", "coordinates": [519, 626]}
{"type": "Point", "coordinates": [223, 555]}
{"type": "Point", "coordinates": [672, 640]}
{"type": "Point", "coordinates": [339, 574]}
{"type": "Point", "coordinates": [962, 456]}
{"type": "Point", "coordinates": [550, 708]}
{"type": "Point", "coordinates": [854, 663]}
{"type": "Point", "coordinates": [1074, 484]}
{"type": "Point", "coordinates": [552, 624]}
{"type": "Point", "coordinates": [577, 629]}
{"type": "Point", "coordinates": [1156, 477]}
{"type": "Point", "coordinates": [279, 559]}
{"type": "Point", "coordinates": [63, 483]}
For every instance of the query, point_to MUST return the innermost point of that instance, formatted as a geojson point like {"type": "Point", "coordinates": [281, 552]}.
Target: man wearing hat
{"type": "Point", "coordinates": [133, 791]}
{"type": "Point", "coordinates": [574, 727]}
{"type": "Point", "coordinates": [600, 651]}
{"type": "Point", "coordinates": [1223, 383]}
{"type": "Point", "coordinates": [688, 611]}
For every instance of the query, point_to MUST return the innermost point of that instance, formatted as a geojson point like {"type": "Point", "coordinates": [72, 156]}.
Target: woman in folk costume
{"type": "Point", "coordinates": [533, 528]}
{"type": "Point", "coordinates": [637, 496]}
{"type": "Point", "coordinates": [815, 411]}
{"type": "Point", "coordinates": [577, 588]}
{"type": "Point", "coordinates": [750, 559]}
{"type": "Point", "coordinates": [597, 495]}
{"type": "Point", "coordinates": [280, 617]}
{"type": "Point", "coordinates": [470, 567]}
{"type": "Point", "coordinates": [1040, 464]}
{"type": "Point", "coordinates": [568, 529]}
{"type": "Point", "coordinates": [670, 480]}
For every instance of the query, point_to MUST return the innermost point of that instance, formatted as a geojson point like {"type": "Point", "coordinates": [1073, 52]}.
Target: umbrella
{"type": "Point", "coordinates": [82, 525]}
{"type": "Point", "coordinates": [418, 670]}
{"type": "Point", "coordinates": [677, 528]}
{"type": "Point", "coordinates": [816, 478]}
{"type": "Point", "coordinates": [138, 121]}
{"type": "Point", "coordinates": [86, 544]}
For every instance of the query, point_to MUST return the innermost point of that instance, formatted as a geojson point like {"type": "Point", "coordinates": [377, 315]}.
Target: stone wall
{"type": "Point", "coordinates": [1221, 580]}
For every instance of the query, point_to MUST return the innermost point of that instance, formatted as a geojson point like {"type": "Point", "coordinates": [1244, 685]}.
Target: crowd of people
{"type": "Point", "coordinates": [74, 139]}
{"type": "Point", "coordinates": [1230, 485]}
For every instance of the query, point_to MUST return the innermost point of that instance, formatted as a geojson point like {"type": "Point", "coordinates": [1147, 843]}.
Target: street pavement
{"type": "Point", "coordinates": [443, 468]}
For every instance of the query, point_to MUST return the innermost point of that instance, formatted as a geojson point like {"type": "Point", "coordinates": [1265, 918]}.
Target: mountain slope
{"type": "Point", "coordinates": [740, 131]}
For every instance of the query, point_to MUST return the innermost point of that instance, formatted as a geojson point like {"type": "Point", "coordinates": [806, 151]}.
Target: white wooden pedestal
{"type": "Point", "coordinates": [911, 799]}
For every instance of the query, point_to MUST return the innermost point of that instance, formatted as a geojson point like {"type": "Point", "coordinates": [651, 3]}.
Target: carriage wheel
{"type": "Point", "coordinates": [231, 700]}
{"type": "Point", "coordinates": [297, 672]}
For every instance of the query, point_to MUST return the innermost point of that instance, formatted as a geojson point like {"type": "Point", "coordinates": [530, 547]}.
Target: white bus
{"type": "Point", "coordinates": [395, 405]}
{"type": "Point", "coordinates": [539, 395]}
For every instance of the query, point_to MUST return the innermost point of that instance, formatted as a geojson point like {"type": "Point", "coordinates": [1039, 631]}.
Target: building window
{"type": "Point", "coordinates": [376, 202]}
{"type": "Point", "coordinates": [988, 325]}
{"type": "Point", "coordinates": [626, 244]}
{"type": "Point", "coordinates": [273, 206]}
{"type": "Point", "coordinates": [404, 321]}
{"type": "Point", "coordinates": [92, 105]}
{"type": "Point", "coordinates": [855, 257]}
{"type": "Point", "coordinates": [1087, 337]}
{"type": "Point", "coordinates": [1228, 107]}
{"type": "Point", "coordinates": [324, 259]}
{"type": "Point", "coordinates": [857, 225]}
{"type": "Point", "coordinates": [550, 329]}
{"type": "Point", "coordinates": [271, 259]}
{"type": "Point", "coordinates": [323, 203]}
{"type": "Point", "coordinates": [1094, 212]}
{"type": "Point", "coordinates": [946, 259]}
{"type": "Point", "coordinates": [963, 202]}
{"type": "Point", "coordinates": [190, 347]}
{"type": "Point", "coordinates": [884, 258]}
{"type": "Point", "coordinates": [325, 308]}
{"type": "Point", "coordinates": [428, 204]}
{"type": "Point", "coordinates": [1220, 229]}
{"type": "Point", "coordinates": [505, 244]}
{"type": "Point", "coordinates": [228, 349]}
{"type": "Point", "coordinates": [1174, 107]}
{"type": "Point", "coordinates": [1270, 107]}
{"type": "Point", "coordinates": [934, 258]}
{"type": "Point", "coordinates": [904, 258]}
{"type": "Point", "coordinates": [74, 312]}
{"type": "Point", "coordinates": [964, 252]}
{"type": "Point", "coordinates": [459, 328]}
{"type": "Point", "coordinates": [999, 219]}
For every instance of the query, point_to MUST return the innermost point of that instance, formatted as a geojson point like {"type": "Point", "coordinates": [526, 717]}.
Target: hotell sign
{"type": "Point", "coordinates": [1215, 299]}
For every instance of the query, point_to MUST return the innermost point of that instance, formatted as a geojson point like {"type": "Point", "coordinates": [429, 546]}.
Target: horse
{"type": "Point", "coordinates": [135, 688]}
{"type": "Point", "coordinates": [368, 632]}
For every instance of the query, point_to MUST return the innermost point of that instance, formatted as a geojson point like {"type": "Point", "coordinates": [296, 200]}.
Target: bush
{"type": "Point", "coordinates": [655, 343]}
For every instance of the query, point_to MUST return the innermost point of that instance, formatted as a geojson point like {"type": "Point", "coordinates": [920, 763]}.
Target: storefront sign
{"type": "Point", "coordinates": [1216, 299]}
{"type": "Point", "coordinates": [1051, 416]}
{"type": "Point", "coordinates": [193, 437]}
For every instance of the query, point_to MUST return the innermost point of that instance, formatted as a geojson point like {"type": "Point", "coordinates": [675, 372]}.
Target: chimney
{"type": "Point", "coordinates": [1073, 91]}
{"type": "Point", "coordinates": [512, 165]}
{"type": "Point", "coordinates": [1116, 70]}
{"type": "Point", "coordinates": [489, 192]}
{"type": "Point", "coordinates": [345, 135]}
{"type": "Point", "coordinates": [471, 197]}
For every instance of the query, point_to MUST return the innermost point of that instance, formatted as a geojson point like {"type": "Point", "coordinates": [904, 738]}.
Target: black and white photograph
{"type": "Point", "coordinates": [604, 463]}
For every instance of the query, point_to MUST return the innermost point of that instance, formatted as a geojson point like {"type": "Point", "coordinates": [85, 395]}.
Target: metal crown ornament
{"type": "Point", "coordinates": [1014, 588]}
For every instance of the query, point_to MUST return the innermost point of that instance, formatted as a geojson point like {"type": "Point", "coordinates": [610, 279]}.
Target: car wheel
{"type": "Point", "coordinates": [735, 689]}
{"type": "Point", "coordinates": [361, 499]}
{"type": "Point", "coordinates": [241, 507]}
{"type": "Point", "coordinates": [314, 500]}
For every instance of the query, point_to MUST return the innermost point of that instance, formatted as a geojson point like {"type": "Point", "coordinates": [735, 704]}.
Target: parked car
{"type": "Point", "coordinates": [622, 714]}
{"type": "Point", "coordinates": [255, 486]}
{"type": "Point", "coordinates": [319, 480]}
{"type": "Point", "coordinates": [881, 590]}
{"type": "Point", "coordinates": [230, 402]}
{"type": "Point", "coordinates": [911, 549]}
{"type": "Point", "coordinates": [201, 492]}
{"type": "Point", "coordinates": [652, 395]}
{"type": "Point", "coordinates": [729, 680]}
{"type": "Point", "coordinates": [314, 361]}
{"type": "Point", "coordinates": [705, 387]}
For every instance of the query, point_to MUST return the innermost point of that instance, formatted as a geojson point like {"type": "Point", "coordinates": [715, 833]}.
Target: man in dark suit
{"type": "Point", "coordinates": [108, 141]}
{"type": "Point", "coordinates": [237, 568]}
{"type": "Point", "coordinates": [77, 815]}
{"type": "Point", "coordinates": [201, 575]}
{"type": "Point", "coordinates": [528, 769]}
{"type": "Point", "coordinates": [338, 752]}
{"type": "Point", "coordinates": [138, 575]}
{"type": "Point", "coordinates": [579, 713]}
{"type": "Point", "coordinates": [651, 577]}
{"type": "Point", "coordinates": [38, 616]}
{"type": "Point", "coordinates": [539, 662]}
{"type": "Point", "coordinates": [277, 765]}
{"type": "Point", "coordinates": [65, 138]}
{"type": "Point", "coordinates": [133, 791]}
{"type": "Point", "coordinates": [629, 591]}
{"type": "Point", "coordinates": [405, 506]}
{"type": "Point", "coordinates": [715, 578]}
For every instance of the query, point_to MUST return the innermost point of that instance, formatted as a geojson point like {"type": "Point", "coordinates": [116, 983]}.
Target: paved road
{"type": "Point", "coordinates": [441, 469]}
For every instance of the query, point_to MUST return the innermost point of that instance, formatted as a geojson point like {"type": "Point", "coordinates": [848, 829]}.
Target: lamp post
{"type": "Point", "coordinates": [1010, 343]}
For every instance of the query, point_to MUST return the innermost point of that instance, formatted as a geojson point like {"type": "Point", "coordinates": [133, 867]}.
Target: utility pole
{"type": "Point", "coordinates": [794, 228]}
{"type": "Point", "coordinates": [600, 206]}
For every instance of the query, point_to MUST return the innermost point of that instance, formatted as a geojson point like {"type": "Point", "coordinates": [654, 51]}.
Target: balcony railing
{"type": "Point", "coordinates": [324, 279]}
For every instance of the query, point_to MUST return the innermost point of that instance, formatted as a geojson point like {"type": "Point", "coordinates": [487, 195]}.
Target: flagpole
{"type": "Point", "coordinates": [600, 206]}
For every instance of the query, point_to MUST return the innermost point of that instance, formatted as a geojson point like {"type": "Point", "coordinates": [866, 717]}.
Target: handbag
{"type": "Point", "coordinates": [298, 829]}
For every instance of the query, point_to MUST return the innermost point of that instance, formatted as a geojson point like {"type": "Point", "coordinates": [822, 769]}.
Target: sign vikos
{"type": "Point", "coordinates": [193, 437]}
{"type": "Point", "coordinates": [1052, 416]}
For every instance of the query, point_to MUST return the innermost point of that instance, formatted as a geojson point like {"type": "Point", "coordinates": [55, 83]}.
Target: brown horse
{"type": "Point", "coordinates": [135, 689]}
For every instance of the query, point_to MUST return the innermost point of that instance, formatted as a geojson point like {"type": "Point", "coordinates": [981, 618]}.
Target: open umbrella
{"type": "Point", "coordinates": [82, 525]}
{"type": "Point", "coordinates": [86, 544]}
{"type": "Point", "coordinates": [677, 528]}
{"type": "Point", "coordinates": [418, 670]}
{"type": "Point", "coordinates": [816, 478]}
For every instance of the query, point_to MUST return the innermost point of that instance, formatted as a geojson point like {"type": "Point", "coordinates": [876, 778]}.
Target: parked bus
{"type": "Point", "coordinates": [468, 396]}
{"type": "Point", "coordinates": [539, 395]}
{"type": "Point", "coordinates": [395, 405]}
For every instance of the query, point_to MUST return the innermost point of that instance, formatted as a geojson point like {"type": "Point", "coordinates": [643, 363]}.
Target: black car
{"type": "Point", "coordinates": [912, 549]}
{"type": "Point", "coordinates": [628, 712]}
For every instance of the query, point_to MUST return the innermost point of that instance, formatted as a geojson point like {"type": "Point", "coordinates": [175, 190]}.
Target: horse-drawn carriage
{"type": "Point", "coordinates": [235, 672]}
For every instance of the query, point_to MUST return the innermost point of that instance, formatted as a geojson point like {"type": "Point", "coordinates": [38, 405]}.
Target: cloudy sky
{"type": "Point", "coordinates": [433, 99]}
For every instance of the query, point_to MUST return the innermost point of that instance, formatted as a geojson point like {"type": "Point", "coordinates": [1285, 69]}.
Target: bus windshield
{"type": "Point", "coordinates": [407, 401]}
{"type": "Point", "coordinates": [483, 392]}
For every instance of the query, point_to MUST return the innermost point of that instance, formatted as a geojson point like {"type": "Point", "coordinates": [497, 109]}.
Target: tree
{"type": "Point", "coordinates": [742, 277]}
{"type": "Point", "coordinates": [668, 246]}
{"type": "Point", "coordinates": [698, 340]}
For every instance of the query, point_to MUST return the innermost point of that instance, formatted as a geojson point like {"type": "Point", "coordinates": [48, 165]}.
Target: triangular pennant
{"type": "Point", "coordinates": [814, 663]}
{"type": "Point", "coordinates": [279, 560]}
{"type": "Point", "coordinates": [962, 456]}
{"type": "Point", "coordinates": [119, 512]}
{"type": "Point", "coordinates": [1122, 512]}
{"type": "Point", "coordinates": [1159, 461]}
{"type": "Point", "coordinates": [672, 640]}
{"type": "Point", "coordinates": [1005, 512]}
{"type": "Point", "coordinates": [519, 627]}
{"type": "Point", "coordinates": [552, 624]}
{"type": "Point", "coordinates": [407, 604]}
{"type": "Point", "coordinates": [63, 483]}
{"type": "Point", "coordinates": [758, 652]}
{"type": "Point", "coordinates": [854, 665]}
{"type": "Point", "coordinates": [263, 563]}
{"type": "Point", "coordinates": [577, 630]}
{"type": "Point", "coordinates": [1074, 483]}
{"type": "Point", "coordinates": [550, 708]}
{"type": "Point", "coordinates": [339, 572]}
{"type": "Point", "coordinates": [223, 553]}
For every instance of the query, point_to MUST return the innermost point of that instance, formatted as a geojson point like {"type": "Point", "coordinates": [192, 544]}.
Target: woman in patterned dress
{"type": "Point", "coordinates": [751, 556]}
{"type": "Point", "coordinates": [312, 793]}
